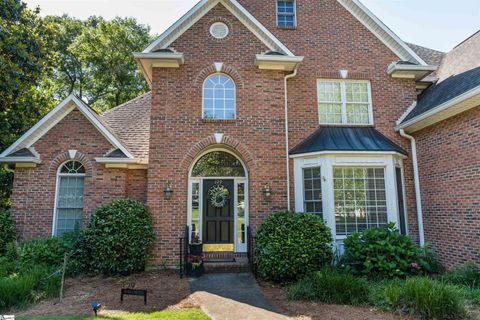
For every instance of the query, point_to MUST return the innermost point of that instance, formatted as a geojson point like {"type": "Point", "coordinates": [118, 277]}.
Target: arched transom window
{"type": "Point", "coordinates": [69, 198]}
{"type": "Point", "coordinates": [218, 164]}
{"type": "Point", "coordinates": [219, 97]}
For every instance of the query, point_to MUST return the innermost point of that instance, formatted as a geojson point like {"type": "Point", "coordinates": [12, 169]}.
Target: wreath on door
{"type": "Point", "coordinates": [218, 196]}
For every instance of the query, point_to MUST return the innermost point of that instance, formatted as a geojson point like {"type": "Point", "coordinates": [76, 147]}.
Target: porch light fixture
{"type": "Point", "coordinates": [267, 192]}
{"type": "Point", "coordinates": [168, 191]}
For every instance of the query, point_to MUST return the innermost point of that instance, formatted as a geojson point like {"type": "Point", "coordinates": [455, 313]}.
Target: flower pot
{"type": "Point", "coordinates": [196, 249]}
{"type": "Point", "coordinates": [197, 272]}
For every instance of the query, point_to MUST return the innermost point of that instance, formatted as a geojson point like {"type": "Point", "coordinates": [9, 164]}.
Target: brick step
{"type": "Point", "coordinates": [237, 266]}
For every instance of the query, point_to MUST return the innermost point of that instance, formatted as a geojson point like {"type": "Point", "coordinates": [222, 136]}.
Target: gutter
{"type": "Point", "coordinates": [416, 178]}
{"type": "Point", "coordinates": [287, 155]}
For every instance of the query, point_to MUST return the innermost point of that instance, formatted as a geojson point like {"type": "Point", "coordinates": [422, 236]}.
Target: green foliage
{"type": "Point", "coordinates": [96, 61]}
{"type": "Point", "coordinates": [25, 57]}
{"type": "Point", "coordinates": [43, 251]}
{"type": "Point", "coordinates": [330, 286]}
{"type": "Point", "coordinates": [118, 238]}
{"type": "Point", "coordinates": [467, 275]}
{"type": "Point", "coordinates": [422, 296]}
{"type": "Point", "coordinates": [27, 287]}
{"type": "Point", "coordinates": [381, 252]}
{"type": "Point", "coordinates": [290, 245]}
{"type": "Point", "coordinates": [7, 230]}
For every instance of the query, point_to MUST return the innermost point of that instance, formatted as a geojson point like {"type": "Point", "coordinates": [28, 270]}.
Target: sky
{"type": "Point", "coordinates": [437, 24]}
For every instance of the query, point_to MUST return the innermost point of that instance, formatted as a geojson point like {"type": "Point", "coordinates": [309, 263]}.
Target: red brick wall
{"type": "Point", "coordinates": [330, 39]}
{"type": "Point", "coordinates": [34, 189]}
{"type": "Point", "coordinates": [449, 158]}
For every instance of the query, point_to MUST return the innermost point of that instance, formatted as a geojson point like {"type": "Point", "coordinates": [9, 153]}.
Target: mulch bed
{"type": "Point", "coordinates": [165, 291]}
{"type": "Point", "coordinates": [304, 310]}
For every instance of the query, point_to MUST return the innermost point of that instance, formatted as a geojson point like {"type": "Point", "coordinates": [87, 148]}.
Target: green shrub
{"type": "Point", "coordinates": [330, 286]}
{"type": "Point", "coordinates": [7, 267]}
{"type": "Point", "coordinates": [422, 296]}
{"type": "Point", "coordinates": [118, 238]}
{"type": "Point", "coordinates": [7, 230]}
{"type": "Point", "coordinates": [48, 251]}
{"type": "Point", "coordinates": [290, 245]}
{"type": "Point", "coordinates": [467, 275]}
{"type": "Point", "coordinates": [30, 286]}
{"type": "Point", "coordinates": [383, 252]}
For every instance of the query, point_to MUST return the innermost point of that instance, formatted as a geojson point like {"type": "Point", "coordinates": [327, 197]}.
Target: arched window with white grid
{"type": "Point", "coordinates": [68, 214]}
{"type": "Point", "coordinates": [219, 97]}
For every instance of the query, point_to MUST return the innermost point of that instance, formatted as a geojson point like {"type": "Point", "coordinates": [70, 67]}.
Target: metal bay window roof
{"type": "Point", "coordinates": [346, 139]}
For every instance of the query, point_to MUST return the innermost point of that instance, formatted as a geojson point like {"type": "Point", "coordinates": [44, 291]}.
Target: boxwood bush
{"type": "Point", "coordinates": [118, 238]}
{"type": "Point", "coordinates": [330, 286]}
{"type": "Point", "coordinates": [7, 230]}
{"type": "Point", "coordinates": [383, 252]}
{"type": "Point", "coordinates": [290, 245]}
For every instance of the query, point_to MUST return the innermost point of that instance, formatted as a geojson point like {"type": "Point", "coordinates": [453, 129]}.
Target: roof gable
{"type": "Point", "coordinates": [201, 9]}
{"type": "Point", "coordinates": [55, 116]}
{"type": "Point", "coordinates": [381, 31]}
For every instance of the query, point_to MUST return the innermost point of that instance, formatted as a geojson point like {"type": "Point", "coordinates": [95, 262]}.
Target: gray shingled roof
{"type": "Point", "coordinates": [131, 122]}
{"type": "Point", "coordinates": [459, 72]}
{"type": "Point", "coordinates": [346, 139]}
{"type": "Point", "coordinates": [444, 91]}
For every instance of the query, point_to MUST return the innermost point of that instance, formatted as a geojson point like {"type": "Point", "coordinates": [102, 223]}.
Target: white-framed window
{"type": "Point", "coordinates": [344, 102]}
{"type": "Point", "coordinates": [358, 190]}
{"type": "Point", "coordinates": [360, 199]}
{"type": "Point", "coordinates": [312, 190]}
{"type": "Point", "coordinates": [286, 13]}
{"type": "Point", "coordinates": [219, 97]}
{"type": "Point", "coordinates": [68, 215]}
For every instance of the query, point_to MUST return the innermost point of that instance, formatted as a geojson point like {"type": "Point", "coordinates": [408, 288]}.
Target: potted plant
{"type": "Point", "coordinates": [196, 247]}
{"type": "Point", "coordinates": [195, 266]}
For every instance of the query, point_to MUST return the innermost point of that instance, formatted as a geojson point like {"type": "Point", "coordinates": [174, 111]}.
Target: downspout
{"type": "Point", "coordinates": [7, 168]}
{"type": "Point", "coordinates": [416, 178]}
{"type": "Point", "coordinates": [287, 155]}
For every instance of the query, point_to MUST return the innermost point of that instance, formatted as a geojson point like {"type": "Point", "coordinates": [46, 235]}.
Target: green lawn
{"type": "Point", "coordinates": [183, 314]}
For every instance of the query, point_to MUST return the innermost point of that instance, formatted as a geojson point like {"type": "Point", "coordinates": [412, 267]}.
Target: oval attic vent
{"type": "Point", "coordinates": [219, 30]}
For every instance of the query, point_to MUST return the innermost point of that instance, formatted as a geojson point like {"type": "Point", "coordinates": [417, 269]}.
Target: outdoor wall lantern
{"type": "Point", "coordinates": [168, 191]}
{"type": "Point", "coordinates": [267, 192]}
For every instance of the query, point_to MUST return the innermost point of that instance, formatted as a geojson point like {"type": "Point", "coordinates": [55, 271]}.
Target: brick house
{"type": "Point", "coordinates": [257, 106]}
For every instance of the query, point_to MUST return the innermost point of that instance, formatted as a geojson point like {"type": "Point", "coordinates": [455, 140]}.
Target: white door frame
{"type": "Point", "coordinates": [238, 247]}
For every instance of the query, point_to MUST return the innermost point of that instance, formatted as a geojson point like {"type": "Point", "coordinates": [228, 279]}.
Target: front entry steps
{"type": "Point", "coordinates": [225, 262]}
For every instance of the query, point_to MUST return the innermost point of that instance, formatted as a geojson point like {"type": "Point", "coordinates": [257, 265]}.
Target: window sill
{"type": "Point", "coordinates": [353, 125]}
{"type": "Point", "coordinates": [219, 120]}
{"type": "Point", "coordinates": [287, 27]}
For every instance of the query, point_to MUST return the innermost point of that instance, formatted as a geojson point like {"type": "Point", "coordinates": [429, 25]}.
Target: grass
{"type": "Point", "coordinates": [181, 314]}
{"type": "Point", "coordinates": [422, 296]}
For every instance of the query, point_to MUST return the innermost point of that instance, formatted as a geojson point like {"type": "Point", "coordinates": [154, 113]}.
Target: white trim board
{"type": "Point", "coordinates": [381, 31]}
{"type": "Point", "coordinates": [54, 117]}
{"type": "Point", "coordinates": [201, 9]}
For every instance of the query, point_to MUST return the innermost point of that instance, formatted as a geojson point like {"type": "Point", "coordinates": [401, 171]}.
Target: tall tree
{"type": "Point", "coordinates": [25, 57]}
{"type": "Point", "coordinates": [96, 59]}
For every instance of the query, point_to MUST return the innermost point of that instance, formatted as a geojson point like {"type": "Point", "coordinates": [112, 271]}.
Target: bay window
{"type": "Point", "coordinates": [352, 192]}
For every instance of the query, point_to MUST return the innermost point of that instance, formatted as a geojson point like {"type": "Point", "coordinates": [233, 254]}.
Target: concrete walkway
{"type": "Point", "coordinates": [236, 296]}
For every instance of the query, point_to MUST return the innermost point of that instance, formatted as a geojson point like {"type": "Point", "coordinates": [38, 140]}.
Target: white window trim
{"type": "Point", "coordinates": [327, 162]}
{"type": "Point", "coordinates": [234, 97]}
{"type": "Point", "coordinates": [343, 93]}
{"type": "Point", "coordinates": [294, 14]}
{"type": "Point", "coordinates": [57, 191]}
